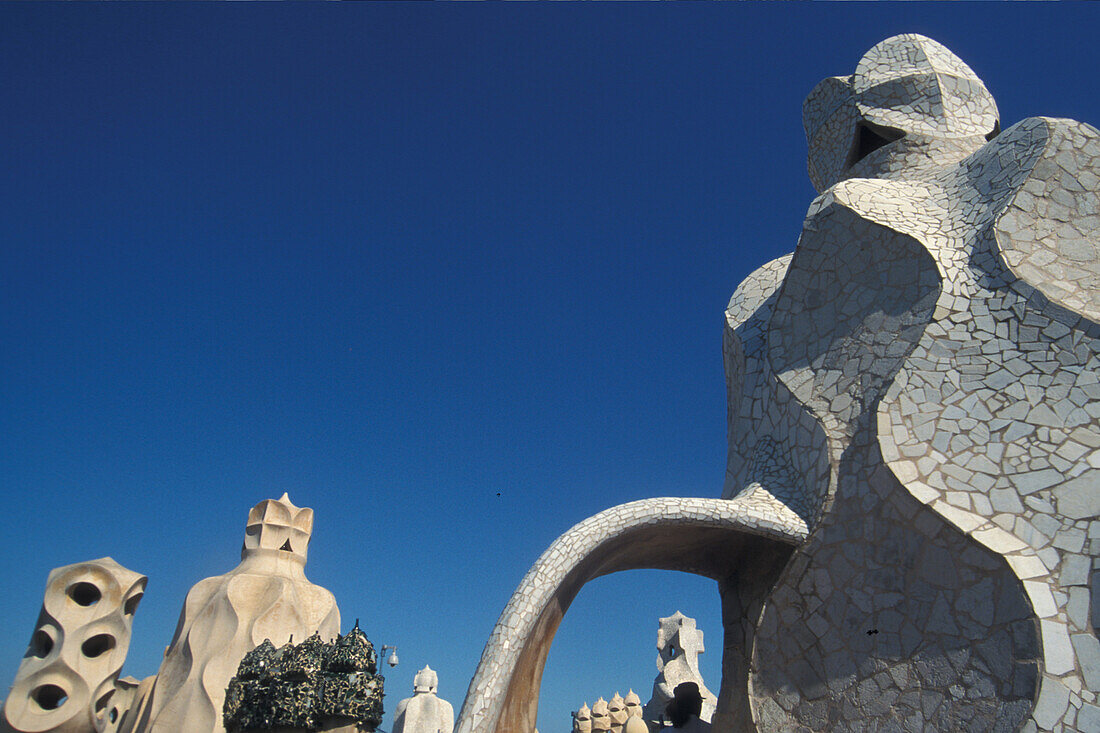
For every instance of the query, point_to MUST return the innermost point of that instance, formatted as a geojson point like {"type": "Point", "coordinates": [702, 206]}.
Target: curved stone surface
{"type": "Point", "coordinates": [267, 596]}
{"type": "Point", "coordinates": [127, 706]}
{"type": "Point", "coordinates": [68, 680]}
{"type": "Point", "coordinates": [919, 386]}
{"type": "Point", "coordinates": [912, 83]}
{"type": "Point", "coordinates": [1049, 236]}
{"type": "Point", "coordinates": [882, 587]}
{"type": "Point", "coordinates": [986, 418]}
{"type": "Point", "coordinates": [910, 102]}
{"type": "Point", "coordinates": [775, 444]}
{"type": "Point", "coordinates": [999, 450]}
{"type": "Point", "coordinates": [703, 536]}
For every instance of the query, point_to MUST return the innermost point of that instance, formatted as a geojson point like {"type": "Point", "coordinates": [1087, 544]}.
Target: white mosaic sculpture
{"type": "Point", "coordinates": [267, 596]}
{"type": "Point", "coordinates": [910, 517]}
{"type": "Point", "coordinates": [68, 679]}
{"type": "Point", "coordinates": [424, 712]}
{"type": "Point", "coordinates": [679, 644]}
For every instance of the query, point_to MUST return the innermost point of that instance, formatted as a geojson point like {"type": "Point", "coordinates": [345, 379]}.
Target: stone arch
{"type": "Point", "coordinates": [740, 543]}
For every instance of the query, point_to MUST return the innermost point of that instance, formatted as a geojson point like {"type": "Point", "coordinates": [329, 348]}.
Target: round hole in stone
{"type": "Point", "coordinates": [101, 703]}
{"type": "Point", "coordinates": [132, 603]}
{"type": "Point", "coordinates": [98, 644]}
{"type": "Point", "coordinates": [113, 716]}
{"type": "Point", "coordinates": [84, 594]}
{"type": "Point", "coordinates": [49, 697]}
{"type": "Point", "coordinates": [41, 644]}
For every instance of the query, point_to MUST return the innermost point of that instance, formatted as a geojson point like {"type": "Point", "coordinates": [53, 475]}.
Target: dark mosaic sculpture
{"type": "Point", "coordinates": [309, 686]}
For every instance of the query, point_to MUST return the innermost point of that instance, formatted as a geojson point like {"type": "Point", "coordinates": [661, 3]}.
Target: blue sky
{"type": "Point", "coordinates": [452, 275]}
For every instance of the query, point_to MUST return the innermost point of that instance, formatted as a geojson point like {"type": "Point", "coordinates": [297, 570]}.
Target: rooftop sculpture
{"type": "Point", "coordinates": [68, 680]}
{"type": "Point", "coordinates": [679, 644]}
{"type": "Point", "coordinates": [910, 520]}
{"type": "Point", "coordinates": [909, 523]}
{"type": "Point", "coordinates": [633, 704]}
{"type": "Point", "coordinates": [601, 716]}
{"type": "Point", "coordinates": [307, 687]}
{"type": "Point", "coordinates": [68, 683]}
{"type": "Point", "coordinates": [267, 596]}
{"type": "Point", "coordinates": [616, 713]}
{"type": "Point", "coordinates": [582, 720]}
{"type": "Point", "coordinates": [619, 712]}
{"type": "Point", "coordinates": [424, 712]}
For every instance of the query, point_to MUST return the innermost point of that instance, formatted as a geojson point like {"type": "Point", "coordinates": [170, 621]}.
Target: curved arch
{"type": "Point", "coordinates": [709, 537]}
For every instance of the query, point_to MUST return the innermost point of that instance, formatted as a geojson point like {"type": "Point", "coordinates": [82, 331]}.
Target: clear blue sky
{"type": "Point", "coordinates": [452, 275]}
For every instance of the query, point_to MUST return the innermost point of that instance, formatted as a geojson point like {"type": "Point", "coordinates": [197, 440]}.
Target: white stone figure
{"type": "Point", "coordinates": [601, 719]}
{"type": "Point", "coordinates": [267, 596]}
{"type": "Point", "coordinates": [633, 705]}
{"type": "Point", "coordinates": [424, 712]}
{"type": "Point", "coordinates": [582, 720]}
{"type": "Point", "coordinates": [679, 645]}
{"type": "Point", "coordinates": [68, 679]}
{"type": "Point", "coordinates": [616, 712]}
